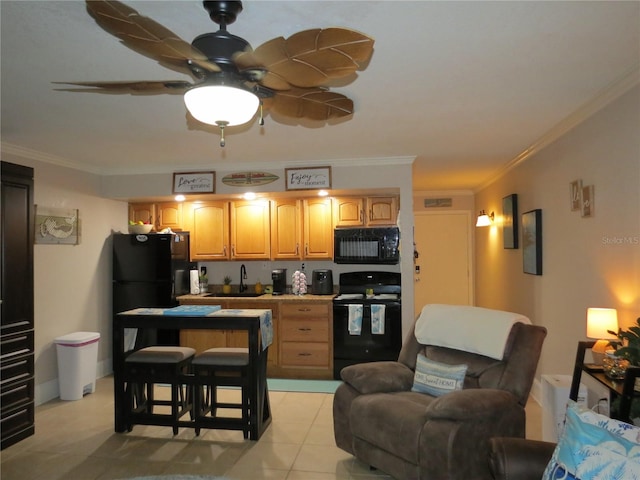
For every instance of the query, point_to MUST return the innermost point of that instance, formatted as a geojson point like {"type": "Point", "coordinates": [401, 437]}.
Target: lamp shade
{"type": "Point", "coordinates": [484, 220]}
{"type": "Point", "coordinates": [600, 320]}
{"type": "Point", "coordinates": [221, 104]}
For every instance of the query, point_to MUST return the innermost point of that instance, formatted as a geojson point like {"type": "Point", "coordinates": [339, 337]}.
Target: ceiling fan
{"type": "Point", "coordinates": [232, 81]}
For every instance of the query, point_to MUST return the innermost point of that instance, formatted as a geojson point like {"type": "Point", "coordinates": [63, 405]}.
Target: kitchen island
{"type": "Point", "coordinates": [302, 332]}
{"type": "Point", "coordinates": [256, 325]}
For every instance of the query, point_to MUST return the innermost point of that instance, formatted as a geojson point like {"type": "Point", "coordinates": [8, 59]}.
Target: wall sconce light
{"type": "Point", "coordinates": [599, 322]}
{"type": "Point", "coordinates": [484, 220]}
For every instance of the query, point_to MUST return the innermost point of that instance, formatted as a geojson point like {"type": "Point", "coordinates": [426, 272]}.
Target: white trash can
{"type": "Point", "coordinates": [77, 364]}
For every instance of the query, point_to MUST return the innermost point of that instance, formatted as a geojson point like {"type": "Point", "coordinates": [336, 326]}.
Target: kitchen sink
{"type": "Point", "coordinates": [237, 294]}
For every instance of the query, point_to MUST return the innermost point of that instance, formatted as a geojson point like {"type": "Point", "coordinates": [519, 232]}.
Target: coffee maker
{"type": "Point", "coordinates": [279, 279]}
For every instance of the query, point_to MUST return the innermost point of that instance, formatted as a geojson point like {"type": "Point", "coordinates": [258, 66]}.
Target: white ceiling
{"type": "Point", "coordinates": [464, 87]}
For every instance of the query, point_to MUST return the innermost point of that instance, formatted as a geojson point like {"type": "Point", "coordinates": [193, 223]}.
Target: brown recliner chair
{"type": "Point", "coordinates": [519, 459]}
{"type": "Point", "coordinates": [411, 435]}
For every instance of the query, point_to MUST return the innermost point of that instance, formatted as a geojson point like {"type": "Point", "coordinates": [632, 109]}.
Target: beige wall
{"type": "Point", "coordinates": [72, 283]}
{"type": "Point", "coordinates": [587, 262]}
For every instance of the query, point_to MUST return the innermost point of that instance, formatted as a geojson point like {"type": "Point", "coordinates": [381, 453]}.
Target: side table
{"type": "Point", "coordinates": [623, 388]}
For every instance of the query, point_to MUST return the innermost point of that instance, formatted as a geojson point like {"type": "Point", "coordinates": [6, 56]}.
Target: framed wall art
{"type": "Point", "coordinates": [57, 226]}
{"type": "Point", "coordinates": [588, 201]}
{"type": "Point", "coordinates": [532, 242]}
{"type": "Point", "coordinates": [194, 182]}
{"type": "Point", "coordinates": [510, 221]}
{"type": "Point", "coordinates": [575, 195]}
{"type": "Point", "coordinates": [308, 178]}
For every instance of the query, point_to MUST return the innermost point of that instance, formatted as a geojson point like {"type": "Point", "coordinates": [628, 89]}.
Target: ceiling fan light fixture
{"type": "Point", "coordinates": [215, 104]}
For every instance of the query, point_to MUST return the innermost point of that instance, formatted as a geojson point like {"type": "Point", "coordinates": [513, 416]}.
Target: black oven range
{"type": "Point", "coordinates": [367, 319]}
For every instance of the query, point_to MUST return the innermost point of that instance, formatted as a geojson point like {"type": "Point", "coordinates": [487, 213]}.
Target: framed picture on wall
{"type": "Point", "coordinates": [532, 242]}
{"type": "Point", "coordinates": [510, 221]}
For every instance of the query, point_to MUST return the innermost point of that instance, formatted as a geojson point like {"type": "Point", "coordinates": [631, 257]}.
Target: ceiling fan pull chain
{"type": "Point", "coordinates": [261, 121]}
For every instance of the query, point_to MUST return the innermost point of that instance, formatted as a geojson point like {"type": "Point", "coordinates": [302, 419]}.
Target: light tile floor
{"type": "Point", "coordinates": [75, 441]}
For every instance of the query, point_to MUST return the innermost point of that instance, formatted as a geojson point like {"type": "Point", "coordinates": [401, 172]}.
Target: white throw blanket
{"type": "Point", "coordinates": [470, 329]}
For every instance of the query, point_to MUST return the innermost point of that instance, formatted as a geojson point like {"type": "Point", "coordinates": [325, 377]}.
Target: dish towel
{"type": "Point", "coordinates": [355, 319]}
{"type": "Point", "coordinates": [377, 319]}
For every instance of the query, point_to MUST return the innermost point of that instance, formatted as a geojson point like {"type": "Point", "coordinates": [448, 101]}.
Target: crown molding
{"type": "Point", "coordinates": [39, 156]}
{"type": "Point", "coordinates": [603, 98]}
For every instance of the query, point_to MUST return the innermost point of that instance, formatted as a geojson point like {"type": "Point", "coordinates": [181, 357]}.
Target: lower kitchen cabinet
{"type": "Point", "coordinates": [302, 335]}
{"type": "Point", "coordinates": [305, 339]}
{"type": "Point", "coordinates": [202, 340]}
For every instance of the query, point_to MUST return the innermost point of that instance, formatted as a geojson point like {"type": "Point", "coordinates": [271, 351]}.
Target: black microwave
{"type": "Point", "coordinates": [366, 245]}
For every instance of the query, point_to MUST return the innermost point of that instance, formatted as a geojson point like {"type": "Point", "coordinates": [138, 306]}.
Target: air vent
{"type": "Point", "coordinates": [437, 202]}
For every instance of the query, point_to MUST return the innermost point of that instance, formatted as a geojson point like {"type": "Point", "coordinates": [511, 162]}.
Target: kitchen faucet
{"type": "Point", "coordinates": [243, 277]}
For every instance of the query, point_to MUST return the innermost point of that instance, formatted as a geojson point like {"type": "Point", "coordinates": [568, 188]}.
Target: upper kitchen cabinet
{"type": "Point", "coordinates": [286, 229]}
{"type": "Point", "coordinates": [317, 229]}
{"type": "Point", "coordinates": [367, 211]}
{"type": "Point", "coordinates": [209, 229]}
{"type": "Point", "coordinates": [250, 230]}
{"type": "Point", "coordinates": [162, 215]}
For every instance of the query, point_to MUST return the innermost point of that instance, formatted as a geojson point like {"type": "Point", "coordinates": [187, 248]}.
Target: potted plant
{"type": "Point", "coordinates": [226, 288]}
{"type": "Point", "coordinates": [628, 348]}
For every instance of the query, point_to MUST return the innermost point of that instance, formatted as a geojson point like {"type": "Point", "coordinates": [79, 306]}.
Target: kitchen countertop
{"type": "Point", "coordinates": [212, 300]}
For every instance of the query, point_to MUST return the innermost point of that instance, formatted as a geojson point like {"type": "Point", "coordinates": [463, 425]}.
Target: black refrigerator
{"type": "Point", "coordinates": [150, 271]}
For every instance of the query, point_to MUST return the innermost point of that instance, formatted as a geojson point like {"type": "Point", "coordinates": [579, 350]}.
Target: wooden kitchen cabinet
{"type": "Point", "coordinates": [286, 229]}
{"type": "Point", "coordinates": [202, 340]}
{"type": "Point", "coordinates": [162, 215]}
{"type": "Point", "coordinates": [250, 230]}
{"type": "Point", "coordinates": [348, 211]}
{"type": "Point", "coordinates": [209, 229]}
{"type": "Point", "coordinates": [365, 211]}
{"type": "Point", "coordinates": [306, 337]}
{"type": "Point", "coordinates": [382, 210]}
{"type": "Point", "coordinates": [317, 229]}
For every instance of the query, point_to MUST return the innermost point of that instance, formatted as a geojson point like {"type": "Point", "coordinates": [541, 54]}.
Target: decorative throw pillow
{"type": "Point", "coordinates": [437, 378]}
{"type": "Point", "coordinates": [595, 447]}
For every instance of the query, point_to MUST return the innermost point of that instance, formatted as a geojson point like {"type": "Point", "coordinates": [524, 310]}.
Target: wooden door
{"type": "Point", "coordinates": [318, 231]}
{"type": "Point", "coordinates": [210, 231]}
{"type": "Point", "coordinates": [382, 210]}
{"type": "Point", "coordinates": [169, 215]}
{"type": "Point", "coordinates": [348, 211]}
{"type": "Point", "coordinates": [443, 242]}
{"type": "Point", "coordinates": [142, 212]}
{"type": "Point", "coordinates": [286, 229]}
{"type": "Point", "coordinates": [250, 230]}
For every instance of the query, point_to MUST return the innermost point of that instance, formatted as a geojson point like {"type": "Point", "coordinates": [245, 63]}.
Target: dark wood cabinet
{"type": "Point", "coordinates": [623, 388]}
{"type": "Point", "coordinates": [16, 321]}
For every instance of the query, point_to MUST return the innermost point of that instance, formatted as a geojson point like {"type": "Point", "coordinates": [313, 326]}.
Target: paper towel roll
{"type": "Point", "coordinates": [194, 282]}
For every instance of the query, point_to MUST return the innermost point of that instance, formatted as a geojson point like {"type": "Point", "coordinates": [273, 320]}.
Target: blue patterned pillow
{"type": "Point", "coordinates": [595, 447]}
{"type": "Point", "coordinates": [437, 378]}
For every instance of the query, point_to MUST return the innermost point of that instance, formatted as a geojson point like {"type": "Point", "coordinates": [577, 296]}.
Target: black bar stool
{"type": "Point", "coordinates": [145, 368]}
{"type": "Point", "coordinates": [221, 367]}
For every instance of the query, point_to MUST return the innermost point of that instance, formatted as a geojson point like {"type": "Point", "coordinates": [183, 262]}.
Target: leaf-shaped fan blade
{"type": "Point", "coordinates": [169, 86]}
{"type": "Point", "coordinates": [312, 103]}
{"type": "Point", "coordinates": [309, 58]}
{"type": "Point", "coordinates": [146, 36]}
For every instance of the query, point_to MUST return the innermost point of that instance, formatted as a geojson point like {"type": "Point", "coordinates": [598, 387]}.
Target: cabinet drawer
{"type": "Point", "coordinates": [302, 354]}
{"type": "Point", "coordinates": [16, 395]}
{"type": "Point", "coordinates": [16, 345]}
{"type": "Point", "coordinates": [14, 370]}
{"type": "Point", "coordinates": [305, 330]}
{"type": "Point", "coordinates": [17, 424]}
{"type": "Point", "coordinates": [299, 310]}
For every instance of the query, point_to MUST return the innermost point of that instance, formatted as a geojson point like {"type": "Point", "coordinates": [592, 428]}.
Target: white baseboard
{"type": "Point", "coordinates": [536, 391]}
{"type": "Point", "coordinates": [47, 391]}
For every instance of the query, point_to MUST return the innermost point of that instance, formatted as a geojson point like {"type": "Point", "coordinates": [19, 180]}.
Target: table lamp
{"type": "Point", "coordinates": [599, 322]}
